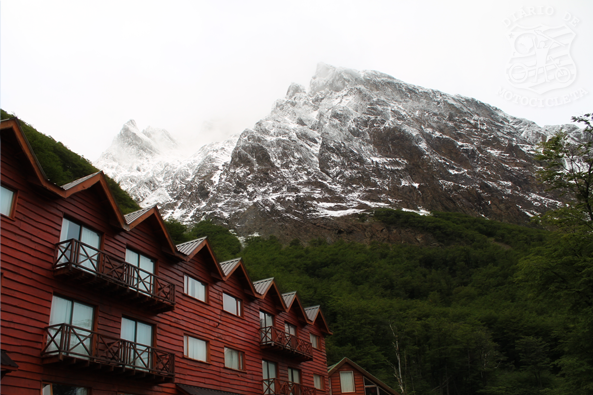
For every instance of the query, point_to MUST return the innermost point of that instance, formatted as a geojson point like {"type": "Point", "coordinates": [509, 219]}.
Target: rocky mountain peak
{"type": "Point", "coordinates": [357, 140]}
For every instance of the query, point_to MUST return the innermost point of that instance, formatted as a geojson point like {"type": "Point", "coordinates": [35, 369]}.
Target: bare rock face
{"type": "Point", "coordinates": [353, 142]}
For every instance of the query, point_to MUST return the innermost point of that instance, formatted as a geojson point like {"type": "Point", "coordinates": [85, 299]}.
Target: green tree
{"type": "Point", "coordinates": [561, 272]}
{"type": "Point", "coordinates": [225, 244]}
{"type": "Point", "coordinates": [568, 169]}
{"type": "Point", "coordinates": [177, 231]}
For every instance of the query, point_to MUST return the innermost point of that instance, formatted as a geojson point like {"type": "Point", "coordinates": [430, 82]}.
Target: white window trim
{"type": "Point", "coordinates": [186, 353]}
{"type": "Point", "coordinates": [315, 341]}
{"type": "Point", "coordinates": [238, 305]}
{"type": "Point", "coordinates": [241, 359]}
{"type": "Point", "coordinates": [344, 380]}
{"type": "Point", "coordinates": [321, 382]}
{"type": "Point", "coordinates": [186, 283]}
{"type": "Point", "coordinates": [12, 201]}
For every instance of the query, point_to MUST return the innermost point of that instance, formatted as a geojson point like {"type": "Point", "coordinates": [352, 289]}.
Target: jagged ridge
{"type": "Point", "coordinates": [356, 140]}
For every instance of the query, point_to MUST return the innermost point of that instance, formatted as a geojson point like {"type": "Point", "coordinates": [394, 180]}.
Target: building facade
{"type": "Point", "coordinates": [97, 302]}
{"type": "Point", "coordinates": [348, 378]}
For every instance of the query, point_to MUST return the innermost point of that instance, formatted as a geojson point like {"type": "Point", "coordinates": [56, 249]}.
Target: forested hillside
{"type": "Point", "coordinates": [63, 166]}
{"type": "Point", "coordinates": [455, 317]}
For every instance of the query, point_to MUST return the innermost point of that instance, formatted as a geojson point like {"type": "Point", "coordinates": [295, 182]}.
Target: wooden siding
{"type": "Point", "coordinates": [336, 388]}
{"type": "Point", "coordinates": [28, 240]}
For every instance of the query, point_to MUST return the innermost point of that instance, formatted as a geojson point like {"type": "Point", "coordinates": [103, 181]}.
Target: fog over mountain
{"type": "Point", "coordinates": [353, 141]}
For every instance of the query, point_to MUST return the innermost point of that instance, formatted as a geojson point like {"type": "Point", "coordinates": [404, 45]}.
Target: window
{"type": "Point", "coordinates": [137, 332]}
{"type": "Point", "coordinates": [269, 373]}
{"type": "Point", "coordinates": [63, 389]}
{"type": "Point", "coordinates": [318, 381]}
{"type": "Point", "coordinates": [87, 257]}
{"type": "Point", "coordinates": [347, 381]}
{"type": "Point", "coordinates": [6, 201]}
{"type": "Point", "coordinates": [140, 278]}
{"type": "Point", "coordinates": [233, 359]}
{"type": "Point", "coordinates": [194, 288]}
{"type": "Point", "coordinates": [231, 304]}
{"type": "Point", "coordinates": [292, 340]}
{"type": "Point", "coordinates": [65, 311]}
{"type": "Point", "coordinates": [294, 377]}
{"type": "Point", "coordinates": [371, 388]}
{"type": "Point", "coordinates": [266, 323]}
{"type": "Point", "coordinates": [290, 329]}
{"type": "Point", "coordinates": [265, 319]}
{"type": "Point", "coordinates": [314, 340]}
{"type": "Point", "coordinates": [195, 348]}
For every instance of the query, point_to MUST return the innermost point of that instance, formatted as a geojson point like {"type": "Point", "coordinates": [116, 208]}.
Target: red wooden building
{"type": "Point", "coordinates": [97, 302]}
{"type": "Point", "coordinates": [346, 377]}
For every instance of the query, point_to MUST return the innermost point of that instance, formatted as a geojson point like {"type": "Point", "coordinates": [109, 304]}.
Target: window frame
{"type": "Point", "coordinates": [241, 358]}
{"type": "Point", "coordinates": [238, 305]}
{"type": "Point", "coordinates": [265, 315]}
{"type": "Point", "coordinates": [141, 285]}
{"type": "Point", "coordinates": [186, 279]}
{"type": "Point", "coordinates": [73, 301]}
{"type": "Point", "coordinates": [51, 347]}
{"type": "Point", "coordinates": [153, 330]}
{"type": "Point", "coordinates": [185, 348]}
{"type": "Point", "coordinates": [289, 378]}
{"type": "Point", "coordinates": [342, 374]}
{"type": "Point", "coordinates": [288, 325]}
{"type": "Point", "coordinates": [321, 382]}
{"type": "Point", "coordinates": [142, 254]}
{"type": "Point", "coordinates": [13, 201]}
{"type": "Point", "coordinates": [82, 226]}
{"type": "Point", "coordinates": [317, 343]}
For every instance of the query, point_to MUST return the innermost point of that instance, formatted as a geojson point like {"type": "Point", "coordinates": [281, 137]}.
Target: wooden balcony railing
{"type": "Point", "coordinates": [271, 337]}
{"type": "Point", "coordinates": [281, 387]}
{"type": "Point", "coordinates": [73, 256]}
{"type": "Point", "coordinates": [67, 342]}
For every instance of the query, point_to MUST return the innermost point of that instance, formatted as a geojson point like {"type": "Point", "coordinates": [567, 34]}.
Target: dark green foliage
{"type": "Point", "coordinates": [177, 231]}
{"type": "Point", "coordinates": [63, 166]}
{"type": "Point", "coordinates": [225, 245]}
{"type": "Point", "coordinates": [568, 169]}
{"type": "Point", "coordinates": [124, 201]}
{"type": "Point", "coordinates": [459, 318]}
{"type": "Point", "coordinates": [560, 273]}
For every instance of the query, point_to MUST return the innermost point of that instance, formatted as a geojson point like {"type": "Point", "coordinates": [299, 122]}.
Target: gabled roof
{"type": "Point", "coordinates": [336, 367]}
{"type": "Point", "coordinates": [292, 300]}
{"type": "Point", "coordinates": [137, 217]}
{"type": "Point", "coordinates": [314, 314]}
{"type": "Point", "coordinates": [288, 298]}
{"type": "Point", "coordinates": [191, 248]}
{"type": "Point", "coordinates": [97, 180]}
{"type": "Point", "coordinates": [74, 183]}
{"type": "Point", "coordinates": [230, 268]}
{"type": "Point", "coordinates": [12, 127]}
{"type": "Point", "coordinates": [131, 217]}
{"type": "Point", "coordinates": [263, 287]}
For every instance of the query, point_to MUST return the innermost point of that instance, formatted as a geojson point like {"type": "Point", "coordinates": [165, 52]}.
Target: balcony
{"type": "Point", "coordinates": [96, 268]}
{"type": "Point", "coordinates": [67, 343]}
{"type": "Point", "coordinates": [285, 343]}
{"type": "Point", "coordinates": [281, 387]}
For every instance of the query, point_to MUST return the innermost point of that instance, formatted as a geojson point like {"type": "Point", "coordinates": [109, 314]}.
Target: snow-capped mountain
{"type": "Point", "coordinates": [355, 140]}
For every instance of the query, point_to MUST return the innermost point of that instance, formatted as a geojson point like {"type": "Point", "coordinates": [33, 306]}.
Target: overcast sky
{"type": "Point", "coordinates": [78, 70]}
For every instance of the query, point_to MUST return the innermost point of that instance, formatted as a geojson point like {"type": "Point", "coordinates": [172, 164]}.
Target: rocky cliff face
{"type": "Point", "coordinates": [354, 141]}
